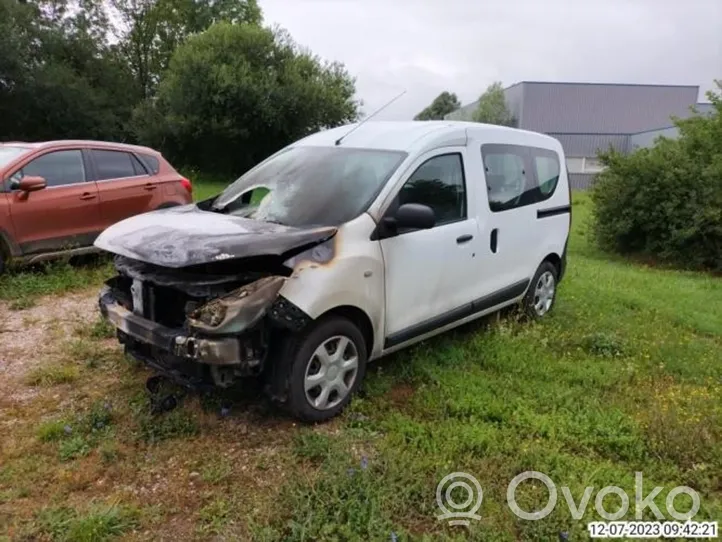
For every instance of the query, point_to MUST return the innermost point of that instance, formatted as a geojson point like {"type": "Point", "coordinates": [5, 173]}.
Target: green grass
{"type": "Point", "coordinates": [22, 286]}
{"type": "Point", "coordinates": [205, 186]}
{"type": "Point", "coordinates": [51, 374]}
{"type": "Point", "coordinates": [99, 522]}
{"type": "Point", "coordinates": [623, 376]}
{"type": "Point", "coordinates": [205, 189]}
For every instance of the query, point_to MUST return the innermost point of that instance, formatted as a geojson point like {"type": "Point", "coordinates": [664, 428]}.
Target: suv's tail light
{"type": "Point", "coordinates": [187, 185]}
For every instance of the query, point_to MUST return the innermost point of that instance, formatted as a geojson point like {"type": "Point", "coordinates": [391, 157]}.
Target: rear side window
{"type": "Point", "coordinates": [517, 176]}
{"type": "Point", "coordinates": [438, 183]}
{"type": "Point", "coordinates": [546, 167]}
{"type": "Point", "coordinates": [151, 163]}
{"type": "Point", "coordinates": [58, 168]}
{"type": "Point", "coordinates": [116, 164]}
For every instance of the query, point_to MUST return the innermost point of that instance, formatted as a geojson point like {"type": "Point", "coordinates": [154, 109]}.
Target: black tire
{"type": "Point", "coordinates": [302, 349]}
{"type": "Point", "coordinates": [532, 304]}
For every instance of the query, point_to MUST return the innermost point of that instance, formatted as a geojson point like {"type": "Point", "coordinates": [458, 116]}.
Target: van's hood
{"type": "Point", "coordinates": [186, 235]}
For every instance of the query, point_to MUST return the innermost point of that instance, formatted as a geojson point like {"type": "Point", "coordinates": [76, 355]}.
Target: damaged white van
{"type": "Point", "coordinates": [340, 248]}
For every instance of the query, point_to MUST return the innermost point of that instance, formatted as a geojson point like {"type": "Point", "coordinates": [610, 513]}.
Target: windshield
{"type": "Point", "coordinates": [311, 186]}
{"type": "Point", "coordinates": [10, 153]}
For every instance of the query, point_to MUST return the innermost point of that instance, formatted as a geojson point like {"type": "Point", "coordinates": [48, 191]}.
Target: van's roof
{"type": "Point", "coordinates": [407, 135]}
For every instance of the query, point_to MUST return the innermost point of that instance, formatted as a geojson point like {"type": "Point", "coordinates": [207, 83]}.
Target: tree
{"type": "Point", "coordinates": [236, 93]}
{"type": "Point", "coordinates": [492, 108]}
{"type": "Point", "coordinates": [442, 105]}
{"type": "Point", "coordinates": [151, 30]}
{"type": "Point", "coordinates": [58, 77]}
{"type": "Point", "coordinates": [665, 202]}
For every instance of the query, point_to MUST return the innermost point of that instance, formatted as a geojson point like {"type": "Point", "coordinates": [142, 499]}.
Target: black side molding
{"type": "Point", "coordinates": [478, 305]}
{"type": "Point", "coordinates": [553, 211]}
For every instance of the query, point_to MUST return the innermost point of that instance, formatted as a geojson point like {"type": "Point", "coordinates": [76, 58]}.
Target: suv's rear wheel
{"type": "Point", "coordinates": [327, 367]}
{"type": "Point", "coordinates": [541, 295]}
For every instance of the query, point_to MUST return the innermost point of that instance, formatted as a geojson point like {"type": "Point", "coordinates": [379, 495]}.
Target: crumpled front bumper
{"type": "Point", "coordinates": [210, 351]}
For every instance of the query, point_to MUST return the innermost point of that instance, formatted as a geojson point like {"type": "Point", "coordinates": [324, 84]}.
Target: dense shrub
{"type": "Point", "coordinates": [237, 93]}
{"type": "Point", "coordinates": [666, 201]}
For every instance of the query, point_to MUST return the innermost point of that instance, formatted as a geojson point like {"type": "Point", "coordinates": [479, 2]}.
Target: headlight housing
{"type": "Point", "coordinates": [238, 310]}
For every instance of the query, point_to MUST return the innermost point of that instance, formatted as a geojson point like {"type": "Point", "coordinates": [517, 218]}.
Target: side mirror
{"type": "Point", "coordinates": [29, 184]}
{"type": "Point", "coordinates": [415, 216]}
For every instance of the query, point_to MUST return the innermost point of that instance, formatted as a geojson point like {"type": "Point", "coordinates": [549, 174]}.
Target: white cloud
{"type": "Point", "coordinates": [428, 46]}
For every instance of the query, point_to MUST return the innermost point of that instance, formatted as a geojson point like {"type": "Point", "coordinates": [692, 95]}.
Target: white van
{"type": "Point", "coordinates": [342, 247]}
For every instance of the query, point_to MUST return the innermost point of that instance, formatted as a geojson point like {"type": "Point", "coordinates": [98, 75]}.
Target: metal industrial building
{"type": "Point", "coordinates": [589, 117]}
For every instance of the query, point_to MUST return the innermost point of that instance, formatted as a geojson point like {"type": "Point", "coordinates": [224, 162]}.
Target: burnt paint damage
{"type": "Point", "coordinates": [185, 236]}
{"type": "Point", "coordinates": [215, 317]}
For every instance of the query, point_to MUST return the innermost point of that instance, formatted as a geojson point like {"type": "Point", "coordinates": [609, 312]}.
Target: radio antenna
{"type": "Point", "coordinates": [340, 139]}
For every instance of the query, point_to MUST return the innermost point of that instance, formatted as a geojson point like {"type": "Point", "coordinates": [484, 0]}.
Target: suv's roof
{"type": "Point", "coordinates": [79, 143]}
{"type": "Point", "coordinates": [403, 135]}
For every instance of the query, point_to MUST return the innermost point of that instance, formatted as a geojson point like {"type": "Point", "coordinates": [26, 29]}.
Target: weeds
{"type": "Point", "coordinates": [22, 303]}
{"type": "Point", "coordinates": [214, 516]}
{"type": "Point", "coordinates": [156, 428]}
{"type": "Point", "coordinates": [603, 344]}
{"type": "Point", "coordinates": [95, 524]}
{"type": "Point", "coordinates": [313, 446]}
{"type": "Point", "coordinates": [23, 286]}
{"type": "Point", "coordinates": [52, 374]}
{"type": "Point", "coordinates": [98, 330]}
{"type": "Point", "coordinates": [76, 436]}
{"type": "Point", "coordinates": [215, 470]}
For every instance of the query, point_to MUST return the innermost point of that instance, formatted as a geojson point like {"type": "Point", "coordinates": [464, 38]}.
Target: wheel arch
{"type": "Point", "coordinates": [556, 260]}
{"type": "Point", "coordinates": [359, 318]}
{"type": "Point", "coordinates": [8, 249]}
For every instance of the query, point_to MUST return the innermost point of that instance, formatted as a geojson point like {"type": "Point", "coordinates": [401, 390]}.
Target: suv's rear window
{"type": "Point", "coordinates": [151, 163]}
{"type": "Point", "coordinates": [10, 153]}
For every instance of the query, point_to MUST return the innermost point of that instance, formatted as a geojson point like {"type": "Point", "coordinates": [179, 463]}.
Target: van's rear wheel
{"type": "Point", "coordinates": [328, 365]}
{"type": "Point", "coordinates": [542, 292]}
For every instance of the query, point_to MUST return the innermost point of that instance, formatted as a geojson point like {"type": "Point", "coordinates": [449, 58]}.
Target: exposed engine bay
{"type": "Point", "coordinates": [209, 323]}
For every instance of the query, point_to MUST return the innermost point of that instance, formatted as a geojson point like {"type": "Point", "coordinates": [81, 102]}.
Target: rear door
{"type": "Point", "coordinates": [124, 186]}
{"type": "Point", "coordinates": [520, 181]}
{"type": "Point", "coordinates": [509, 223]}
{"type": "Point", "coordinates": [63, 215]}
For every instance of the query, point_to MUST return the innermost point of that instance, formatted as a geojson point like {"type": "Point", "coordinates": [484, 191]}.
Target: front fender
{"type": "Point", "coordinates": [353, 275]}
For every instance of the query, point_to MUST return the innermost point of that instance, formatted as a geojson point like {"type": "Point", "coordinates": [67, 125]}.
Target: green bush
{"type": "Point", "coordinates": [665, 202]}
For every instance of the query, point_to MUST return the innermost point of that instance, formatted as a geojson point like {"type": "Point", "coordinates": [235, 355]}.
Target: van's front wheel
{"type": "Point", "coordinates": [328, 366]}
{"type": "Point", "coordinates": [542, 292]}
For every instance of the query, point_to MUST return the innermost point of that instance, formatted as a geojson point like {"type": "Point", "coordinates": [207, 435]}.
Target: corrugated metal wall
{"type": "Point", "coordinates": [603, 108]}
{"type": "Point", "coordinates": [646, 139]}
{"type": "Point", "coordinates": [581, 181]}
{"type": "Point", "coordinates": [591, 144]}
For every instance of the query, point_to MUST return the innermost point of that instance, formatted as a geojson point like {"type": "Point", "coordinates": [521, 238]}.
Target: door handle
{"type": "Point", "coordinates": [87, 195]}
{"type": "Point", "coordinates": [464, 239]}
{"type": "Point", "coordinates": [150, 186]}
{"type": "Point", "coordinates": [493, 240]}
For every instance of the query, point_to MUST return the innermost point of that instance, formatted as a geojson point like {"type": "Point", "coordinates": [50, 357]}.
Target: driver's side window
{"type": "Point", "coordinates": [58, 168]}
{"type": "Point", "coordinates": [439, 184]}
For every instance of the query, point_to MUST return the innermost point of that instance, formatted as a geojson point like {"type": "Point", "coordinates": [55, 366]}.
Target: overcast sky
{"type": "Point", "coordinates": [428, 46]}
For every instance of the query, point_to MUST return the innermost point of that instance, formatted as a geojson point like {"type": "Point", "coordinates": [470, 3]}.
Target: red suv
{"type": "Point", "coordinates": [56, 197]}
